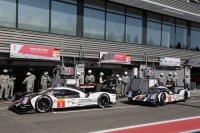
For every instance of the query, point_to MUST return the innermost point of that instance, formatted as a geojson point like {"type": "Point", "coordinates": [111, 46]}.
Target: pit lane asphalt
{"type": "Point", "coordinates": [84, 120]}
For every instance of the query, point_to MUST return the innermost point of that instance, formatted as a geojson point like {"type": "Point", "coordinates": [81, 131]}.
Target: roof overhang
{"type": "Point", "coordinates": [172, 8]}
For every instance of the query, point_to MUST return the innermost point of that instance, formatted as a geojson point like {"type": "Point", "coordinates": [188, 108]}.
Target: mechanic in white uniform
{"type": "Point", "coordinates": [161, 79]}
{"type": "Point", "coordinates": [4, 82]}
{"type": "Point", "coordinates": [45, 79]}
{"type": "Point", "coordinates": [89, 78]}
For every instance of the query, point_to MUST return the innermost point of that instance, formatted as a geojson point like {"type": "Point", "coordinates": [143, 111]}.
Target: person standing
{"type": "Point", "coordinates": [29, 81]}
{"type": "Point", "coordinates": [45, 79]}
{"type": "Point", "coordinates": [112, 83]}
{"type": "Point", "coordinates": [117, 87]}
{"type": "Point", "coordinates": [174, 82]}
{"type": "Point", "coordinates": [78, 80]}
{"type": "Point", "coordinates": [90, 77]}
{"type": "Point", "coordinates": [125, 82]}
{"type": "Point", "coordinates": [100, 82]}
{"type": "Point", "coordinates": [169, 78]}
{"type": "Point", "coordinates": [186, 81]}
{"type": "Point", "coordinates": [11, 85]}
{"type": "Point", "coordinates": [4, 82]}
{"type": "Point", "coordinates": [161, 79]}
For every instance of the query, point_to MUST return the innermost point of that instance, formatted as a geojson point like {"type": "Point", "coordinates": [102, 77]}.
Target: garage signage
{"type": "Point", "coordinates": [168, 61]}
{"type": "Point", "coordinates": [115, 57]}
{"type": "Point", "coordinates": [34, 52]}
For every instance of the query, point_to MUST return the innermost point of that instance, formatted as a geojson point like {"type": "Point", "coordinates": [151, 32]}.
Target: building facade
{"type": "Point", "coordinates": [144, 29]}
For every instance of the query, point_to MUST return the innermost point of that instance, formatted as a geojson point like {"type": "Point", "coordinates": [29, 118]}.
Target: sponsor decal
{"type": "Point", "coordinates": [34, 52]}
{"type": "Point", "coordinates": [169, 99]}
{"type": "Point", "coordinates": [168, 61]}
{"type": "Point", "coordinates": [60, 103]}
{"type": "Point", "coordinates": [115, 57]}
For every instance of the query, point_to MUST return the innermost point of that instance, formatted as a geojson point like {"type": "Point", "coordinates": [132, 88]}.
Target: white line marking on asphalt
{"type": "Point", "coordinates": [3, 108]}
{"type": "Point", "coordinates": [193, 101]}
{"type": "Point", "coordinates": [148, 124]}
{"type": "Point", "coordinates": [111, 108]}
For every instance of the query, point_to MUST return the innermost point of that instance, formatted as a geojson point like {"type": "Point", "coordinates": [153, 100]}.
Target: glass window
{"type": "Point", "coordinates": [134, 12]}
{"type": "Point", "coordinates": [168, 35]}
{"type": "Point", "coordinates": [113, 7]}
{"type": "Point", "coordinates": [195, 26]}
{"type": "Point", "coordinates": [115, 27]}
{"type": "Point", "coordinates": [153, 17]}
{"type": "Point", "coordinates": [34, 15]}
{"type": "Point", "coordinates": [168, 20]}
{"type": "Point", "coordinates": [195, 40]}
{"type": "Point", "coordinates": [153, 33]}
{"type": "Point", "coordinates": [181, 38]}
{"type": "Point", "coordinates": [94, 23]}
{"type": "Point", "coordinates": [181, 22]}
{"type": "Point", "coordinates": [99, 4]}
{"type": "Point", "coordinates": [71, 1]}
{"type": "Point", "coordinates": [133, 30]}
{"type": "Point", "coordinates": [63, 18]}
{"type": "Point", "coordinates": [8, 13]}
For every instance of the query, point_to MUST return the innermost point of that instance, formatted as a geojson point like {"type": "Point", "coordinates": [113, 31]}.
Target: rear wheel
{"type": "Point", "coordinates": [162, 99]}
{"type": "Point", "coordinates": [103, 101]}
{"type": "Point", "coordinates": [43, 104]}
{"type": "Point", "coordinates": [185, 98]}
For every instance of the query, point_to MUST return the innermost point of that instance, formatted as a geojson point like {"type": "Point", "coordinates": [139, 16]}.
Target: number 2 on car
{"type": "Point", "coordinates": [61, 103]}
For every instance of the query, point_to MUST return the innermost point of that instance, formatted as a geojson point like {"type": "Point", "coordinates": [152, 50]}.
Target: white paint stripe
{"type": "Point", "coordinates": [176, 9]}
{"type": "Point", "coordinates": [192, 131]}
{"type": "Point", "coordinates": [5, 103]}
{"type": "Point", "coordinates": [3, 108]}
{"type": "Point", "coordinates": [148, 124]}
{"type": "Point", "coordinates": [64, 112]}
{"type": "Point", "coordinates": [193, 101]}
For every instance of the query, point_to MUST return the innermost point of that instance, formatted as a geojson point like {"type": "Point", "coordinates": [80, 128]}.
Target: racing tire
{"type": "Point", "coordinates": [162, 99]}
{"type": "Point", "coordinates": [185, 97]}
{"type": "Point", "coordinates": [103, 101]}
{"type": "Point", "coordinates": [43, 104]}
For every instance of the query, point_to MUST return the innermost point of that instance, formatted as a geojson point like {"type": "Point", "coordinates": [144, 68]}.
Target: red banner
{"type": "Point", "coordinates": [34, 52]}
{"type": "Point", "coordinates": [111, 57]}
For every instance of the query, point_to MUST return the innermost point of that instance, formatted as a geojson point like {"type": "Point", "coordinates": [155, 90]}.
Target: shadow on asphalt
{"type": "Point", "coordinates": [137, 103]}
{"type": "Point", "coordinates": [188, 105]}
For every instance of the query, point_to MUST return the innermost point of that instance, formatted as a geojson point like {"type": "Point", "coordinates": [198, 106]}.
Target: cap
{"type": "Point", "coordinates": [175, 73]}
{"type": "Point", "coordinates": [78, 73]}
{"type": "Point", "coordinates": [187, 74]}
{"type": "Point", "coordinates": [5, 70]}
{"type": "Point", "coordinates": [161, 74]}
{"type": "Point", "coordinates": [101, 73]}
{"type": "Point", "coordinates": [170, 73]}
{"type": "Point", "coordinates": [120, 79]}
{"type": "Point", "coordinates": [89, 71]}
{"type": "Point", "coordinates": [28, 73]}
{"type": "Point", "coordinates": [46, 73]}
{"type": "Point", "coordinates": [125, 72]}
{"type": "Point", "coordinates": [117, 75]}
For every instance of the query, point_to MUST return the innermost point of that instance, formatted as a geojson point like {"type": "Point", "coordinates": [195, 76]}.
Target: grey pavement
{"type": "Point", "coordinates": [92, 119]}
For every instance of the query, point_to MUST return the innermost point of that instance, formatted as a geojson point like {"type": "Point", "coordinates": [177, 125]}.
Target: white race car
{"type": "Point", "coordinates": [60, 97]}
{"type": "Point", "coordinates": [158, 95]}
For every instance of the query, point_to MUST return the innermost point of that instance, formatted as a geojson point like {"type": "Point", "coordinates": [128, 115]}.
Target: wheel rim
{"type": "Point", "coordinates": [43, 104]}
{"type": "Point", "coordinates": [103, 101]}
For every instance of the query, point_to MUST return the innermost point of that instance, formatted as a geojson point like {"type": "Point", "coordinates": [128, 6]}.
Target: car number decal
{"type": "Point", "coordinates": [169, 98]}
{"type": "Point", "coordinates": [61, 103]}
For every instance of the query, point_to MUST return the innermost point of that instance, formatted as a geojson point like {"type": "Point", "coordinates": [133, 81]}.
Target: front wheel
{"type": "Point", "coordinates": [103, 101]}
{"type": "Point", "coordinates": [43, 104]}
{"type": "Point", "coordinates": [162, 99]}
{"type": "Point", "coordinates": [185, 97]}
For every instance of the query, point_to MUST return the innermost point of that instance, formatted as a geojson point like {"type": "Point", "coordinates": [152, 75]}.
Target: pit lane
{"type": "Point", "coordinates": [93, 119]}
